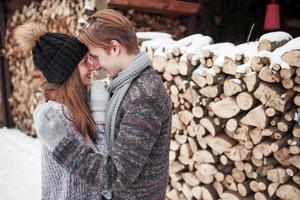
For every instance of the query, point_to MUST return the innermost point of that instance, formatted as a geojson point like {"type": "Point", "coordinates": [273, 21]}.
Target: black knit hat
{"type": "Point", "coordinates": [57, 55]}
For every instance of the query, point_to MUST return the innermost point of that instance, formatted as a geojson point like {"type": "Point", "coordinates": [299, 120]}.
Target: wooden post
{"type": "Point", "coordinates": [5, 86]}
{"type": "Point", "coordinates": [191, 23]}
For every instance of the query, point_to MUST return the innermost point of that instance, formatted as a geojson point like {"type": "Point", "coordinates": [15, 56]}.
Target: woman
{"type": "Point", "coordinates": [63, 62]}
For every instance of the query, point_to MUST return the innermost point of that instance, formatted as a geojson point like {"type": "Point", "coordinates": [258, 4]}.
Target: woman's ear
{"type": "Point", "coordinates": [116, 47]}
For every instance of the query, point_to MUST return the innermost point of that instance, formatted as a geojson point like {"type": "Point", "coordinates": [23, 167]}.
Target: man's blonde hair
{"type": "Point", "coordinates": [107, 25]}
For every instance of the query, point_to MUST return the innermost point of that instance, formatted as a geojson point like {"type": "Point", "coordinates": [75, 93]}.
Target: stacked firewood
{"type": "Point", "coordinates": [145, 22]}
{"type": "Point", "coordinates": [58, 16]}
{"type": "Point", "coordinates": [235, 124]}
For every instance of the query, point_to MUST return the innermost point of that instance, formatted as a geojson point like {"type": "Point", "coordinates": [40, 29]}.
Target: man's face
{"type": "Point", "coordinates": [101, 59]}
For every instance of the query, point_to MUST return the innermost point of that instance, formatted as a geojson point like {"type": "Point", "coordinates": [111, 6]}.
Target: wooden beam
{"type": "Point", "coordinates": [175, 7]}
{"type": "Point", "coordinates": [5, 86]}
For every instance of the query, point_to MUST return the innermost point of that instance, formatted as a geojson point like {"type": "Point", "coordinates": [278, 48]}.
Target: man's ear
{"type": "Point", "coordinates": [115, 47]}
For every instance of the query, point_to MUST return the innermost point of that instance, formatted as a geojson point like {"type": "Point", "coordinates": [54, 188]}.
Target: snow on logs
{"type": "Point", "coordinates": [235, 125]}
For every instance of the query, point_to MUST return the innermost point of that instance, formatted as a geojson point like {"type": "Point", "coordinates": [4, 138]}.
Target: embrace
{"type": "Point", "coordinates": [109, 142]}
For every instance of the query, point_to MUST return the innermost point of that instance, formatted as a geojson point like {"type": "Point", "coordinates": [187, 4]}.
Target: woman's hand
{"type": "Point", "coordinates": [49, 125]}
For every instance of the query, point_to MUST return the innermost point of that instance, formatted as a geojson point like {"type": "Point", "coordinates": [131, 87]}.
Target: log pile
{"type": "Point", "coordinates": [58, 16]}
{"type": "Point", "coordinates": [145, 22]}
{"type": "Point", "coordinates": [235, 123]}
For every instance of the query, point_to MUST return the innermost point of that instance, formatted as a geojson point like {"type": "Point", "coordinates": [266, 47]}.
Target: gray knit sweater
{"type": "Point", "coordinates": [57, 183]}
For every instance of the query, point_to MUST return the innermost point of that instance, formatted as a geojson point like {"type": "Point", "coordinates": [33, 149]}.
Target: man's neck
{"type": "Point", "coordinates": [127, 59]}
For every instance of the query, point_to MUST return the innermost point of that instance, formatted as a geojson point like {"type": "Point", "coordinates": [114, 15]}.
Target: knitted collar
{"type": "Point", "coordinates": [138, 64]}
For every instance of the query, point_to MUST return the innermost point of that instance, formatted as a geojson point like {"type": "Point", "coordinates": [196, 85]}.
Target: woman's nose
{"type": "Point", "coordinates": [96, 66]}
{"type": "Point", "coordinates": [89, 66]}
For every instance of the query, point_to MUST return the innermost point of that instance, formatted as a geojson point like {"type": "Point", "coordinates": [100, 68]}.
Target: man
{"type": "Point", "coordinates": [138, 118]}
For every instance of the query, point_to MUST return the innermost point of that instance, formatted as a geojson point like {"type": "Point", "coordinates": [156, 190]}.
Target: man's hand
{"type": "Point", "coordinates": [98, 101]}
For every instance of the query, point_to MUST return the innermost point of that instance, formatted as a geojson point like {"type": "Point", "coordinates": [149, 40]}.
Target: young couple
{"type": "Point", "coordinates": [113, 144]}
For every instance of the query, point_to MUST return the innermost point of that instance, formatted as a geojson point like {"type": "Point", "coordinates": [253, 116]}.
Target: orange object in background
{"type": "Point", "coordinates": [272, 18]}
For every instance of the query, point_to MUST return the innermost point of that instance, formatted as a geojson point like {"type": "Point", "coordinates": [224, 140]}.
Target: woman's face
{"type": "Point", "coordinates": [85, 70]}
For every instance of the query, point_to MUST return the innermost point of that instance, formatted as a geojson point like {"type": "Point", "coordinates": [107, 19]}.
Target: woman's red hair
{"type": "Point", "coordinates": [73, 94]}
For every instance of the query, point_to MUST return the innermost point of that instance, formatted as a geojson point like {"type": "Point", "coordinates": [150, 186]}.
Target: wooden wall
{"type": "Point", "coordinates": [231, 20]}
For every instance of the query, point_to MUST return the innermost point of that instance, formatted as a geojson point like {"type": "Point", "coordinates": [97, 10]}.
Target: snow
{"type": "Point", "coordinates": [211, 72]}
{"type": "Point", "coordinates": [218, 46]}
{"type": "Point", "coordinates": [195, 57]}
{"type": "Point", "coordinates": [199, 70]}
{"type": "Point", "coordinates": [183, 43]}
{"type": "Point", "coordinates": [276, 36]}
{"type": "Point", "coordinates": [291, 45]}
{"type": "Point", "coordinates": [156, 43]}
{"type": "Point", "coordinates": [275, 56]}
{"type": "Point", "coordinates": [242, 68]}
{"type": "Point", "coordinates": [220, 49]}
{"type": "Point", "coordinates": [20, 166]}
{"type": "Point", "coordinates": [160, 52]}
{"type": "Point", "coordinates": [297, 117]}
{"type": "Point", "coordinates": [196, 46]}
{"type": "Point", "coordinates": [152, 35]}
{"type": "Point", "coordinates": [196, 43]}
{"type": "Point", "coordinates": [264, 53]}
{"type": "Point", "coordinates": [237, 81]}
{"type": "Point", "coordinates": [188, 40]}
{"type": "Point", "coordinates": [183, 58]}
{"type": "Point", "coordinates": [228, 52]}
{"type": "Point", "coordinates": [199, 43]}
{"type": "Point", "coordinates": [248, 49]}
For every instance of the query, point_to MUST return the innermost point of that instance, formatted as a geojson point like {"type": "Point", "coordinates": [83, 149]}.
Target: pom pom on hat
{"type": "Point", "coordinates": [28, 34]}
